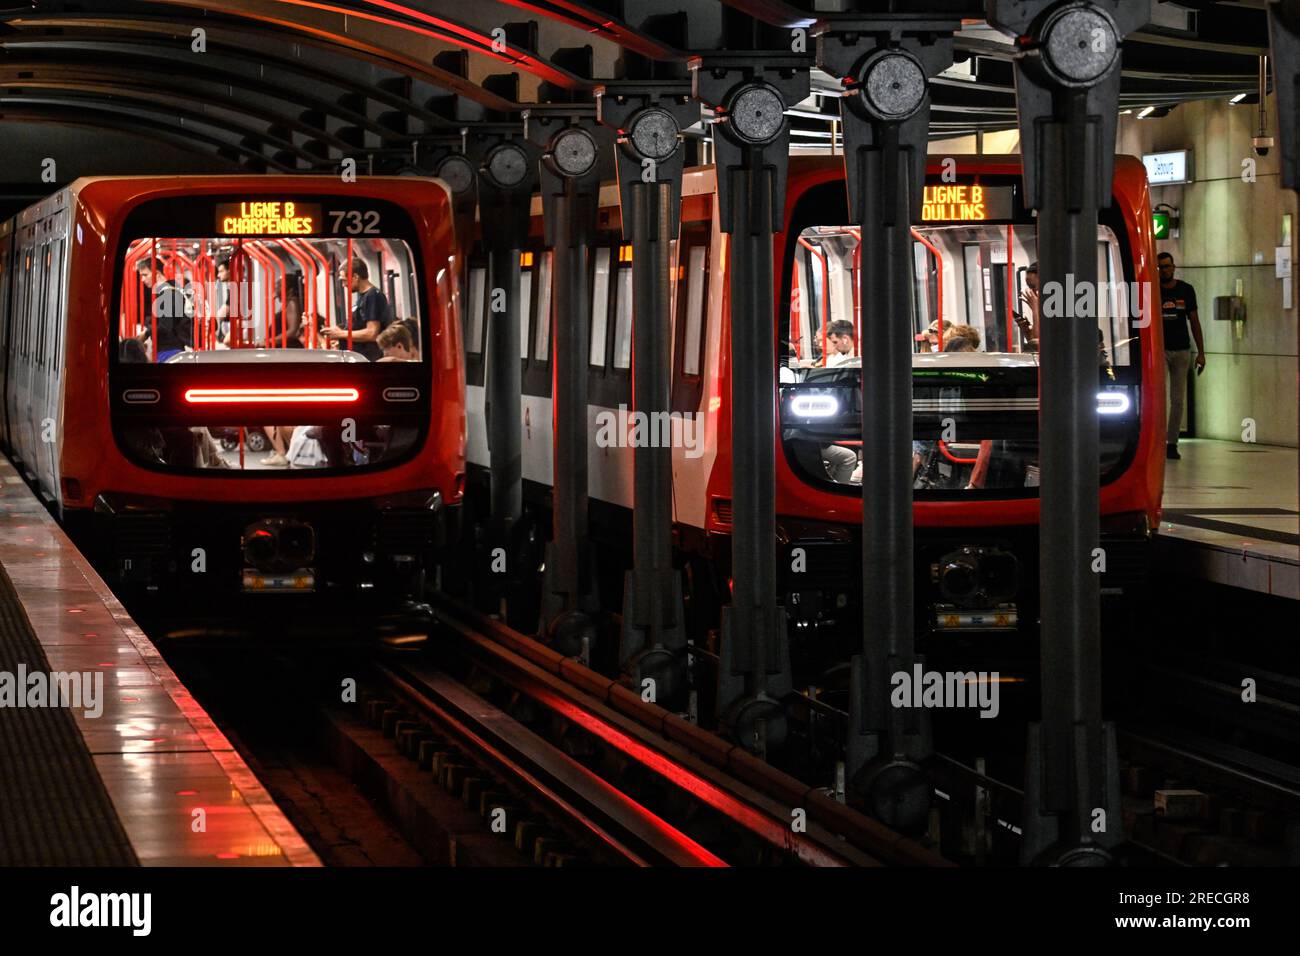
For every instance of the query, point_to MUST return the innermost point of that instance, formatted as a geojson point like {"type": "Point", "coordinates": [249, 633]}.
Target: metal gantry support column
{"type": "Point", "coordinates": [454, 167]}
{"type": "Point", "coordinates": [885, 62]}
{"type": "Point", "coordinates": [751, 92]}
{"type": "Point", "coordinates": [649, 116]}
{"type": "Point", "coordinates": [506, 179]}
{"type": "Point", "coordinates": [571, 141]}
{"type": "Point", "coordinates": [1067, 86]}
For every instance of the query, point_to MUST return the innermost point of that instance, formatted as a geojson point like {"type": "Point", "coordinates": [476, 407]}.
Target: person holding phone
{"type": "Point", "coordinates": [1178, 309]}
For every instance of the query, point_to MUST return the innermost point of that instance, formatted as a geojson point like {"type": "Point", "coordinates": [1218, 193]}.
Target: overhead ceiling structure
{"type": "Point", "coordinates": [300, 85]}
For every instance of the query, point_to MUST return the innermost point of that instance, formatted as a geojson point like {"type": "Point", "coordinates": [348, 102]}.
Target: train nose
{"type": "Point", "coordinates": [278, 544]}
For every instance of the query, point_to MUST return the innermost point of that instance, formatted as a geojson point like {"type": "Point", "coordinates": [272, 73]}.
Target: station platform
{"type": "Point", "coordinates": [135, 772]}
{"type": "Point", "coordinates": [1232, 516]}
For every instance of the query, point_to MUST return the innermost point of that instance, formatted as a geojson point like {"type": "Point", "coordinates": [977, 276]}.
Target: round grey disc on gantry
{"type": "Point", "coordinates": [574, 152]}
{"type": "Point", "coordinates": [893, 86]}
{"type": "Point", "coordinates": [1080, 45]}
{"type": "Point", "coordinates": [507, 165]}
{"type": "Point", "coordinates": [757, 114]}
{"type": "Point", "coordinates": [457, 172]}
{"type": "Point", "coordinates": [654, 134]}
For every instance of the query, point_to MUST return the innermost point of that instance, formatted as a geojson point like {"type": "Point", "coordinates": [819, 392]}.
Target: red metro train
{"type": "Point", "coordinates": [976, 410]}
{"type": "Point", "coordinates": [192, 380]}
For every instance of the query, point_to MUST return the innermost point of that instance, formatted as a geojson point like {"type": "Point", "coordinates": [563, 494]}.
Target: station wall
{"type": "Point", "coordinates": [1229, 231]}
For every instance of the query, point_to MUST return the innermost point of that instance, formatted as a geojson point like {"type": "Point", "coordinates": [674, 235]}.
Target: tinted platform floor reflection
{"type": "Point", "coordinates": [1232, 515]}
{"type": "Point", "coordinates": [158, 754]}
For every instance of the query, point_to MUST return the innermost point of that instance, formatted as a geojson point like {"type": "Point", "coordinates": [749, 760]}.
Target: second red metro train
{"type": "Point", "coordinates": [976, 411]}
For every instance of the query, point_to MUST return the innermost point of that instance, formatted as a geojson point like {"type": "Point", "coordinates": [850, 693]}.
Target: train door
{"type": "Point", "coordinates": [534, 347]}
{"type": "Point", "coordinates": [995, 333]}
{"type": "Point", "coordinates": [50, 383]}
{"type": "Point", "coordinates": [476, 451]}
{"type": "Point", "coordinates": [690, 370]}
{"type": "Point", "coordinates": [33, 300]}
{"type": "Point", "coordinates": [18, 336]}
{"type": "Point", "coordinates": [6, 315]}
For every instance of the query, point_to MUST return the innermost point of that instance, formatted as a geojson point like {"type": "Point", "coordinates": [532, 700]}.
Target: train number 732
{"type": "Point", "coordinates": [355, 222]}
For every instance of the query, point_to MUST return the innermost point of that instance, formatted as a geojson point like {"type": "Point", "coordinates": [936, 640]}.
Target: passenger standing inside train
{"type": "Point", "coordinates": [1029, 321]}
{"type": "Point", "coordinates": [370, 313]}
{"type": "Point", "coordinates": [1178, 304]}
{"type": "Point", "coordinates": [171, 311]}
{"type": "Point", "coordinates": [223, 298]}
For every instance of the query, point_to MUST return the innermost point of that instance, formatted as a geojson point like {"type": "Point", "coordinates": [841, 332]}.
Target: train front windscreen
{"type": "Point", "coordinates": [264, 335]}
{"type": "Point", "coordinates": [977, 313]}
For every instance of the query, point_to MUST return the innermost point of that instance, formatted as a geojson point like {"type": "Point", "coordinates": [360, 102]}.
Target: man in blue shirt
{"type": "Point", "coordinates": [370, 313]}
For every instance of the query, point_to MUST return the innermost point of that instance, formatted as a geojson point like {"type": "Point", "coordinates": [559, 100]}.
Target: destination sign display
{"type": "Point", "coordinates": [966, 202]}
{"type": "Point", "coordinates": [261, 217]}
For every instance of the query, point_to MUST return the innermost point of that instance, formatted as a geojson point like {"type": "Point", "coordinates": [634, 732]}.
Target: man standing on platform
{"type": "Point", "coordinates": [1178, 306]}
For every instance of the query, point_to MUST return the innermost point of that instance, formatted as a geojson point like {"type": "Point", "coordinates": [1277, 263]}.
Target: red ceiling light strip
{"type": "Point", "coordinates": [218, 396]}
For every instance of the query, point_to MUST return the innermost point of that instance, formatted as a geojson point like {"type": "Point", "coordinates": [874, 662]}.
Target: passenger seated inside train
{"type": "Point", "coordinates": [413, 329]}
{"type": "Point", "coordinates": [840, 345]}
{"type": "Point", "coordinates": [928, 341]}
{"type": "Point", "coordinates": [395, 342]}
{"type": "Point", "coordinates": [839, 460]}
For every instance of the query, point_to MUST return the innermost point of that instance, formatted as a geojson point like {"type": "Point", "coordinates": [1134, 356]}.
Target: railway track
{"type": "Point", "coordinates": [578, 769]}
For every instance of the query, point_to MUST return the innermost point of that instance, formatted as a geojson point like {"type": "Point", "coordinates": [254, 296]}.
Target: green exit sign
{"type": "Point", "coordinates": [1162, 224]}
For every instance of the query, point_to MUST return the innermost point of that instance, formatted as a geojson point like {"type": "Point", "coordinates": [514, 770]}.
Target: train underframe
{"type": "Point", "coordinates": [262, 556]}
{"type": "Point", "coordinates": [976, 589]}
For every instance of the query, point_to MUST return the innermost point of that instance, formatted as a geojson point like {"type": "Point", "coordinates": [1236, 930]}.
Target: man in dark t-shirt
{"type": "Point", "coordinates": [370, 313]}
{"type": "Point", "coordinates": [171, 311]}
{"type": "Point", "coordinates": [1178, 308]}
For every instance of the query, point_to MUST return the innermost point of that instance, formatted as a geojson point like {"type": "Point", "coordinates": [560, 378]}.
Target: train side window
{"type": "Point", "coordinates": [33, 317]}
{"type": "Point", "coordinates": [600, 307]}
{"type": "Point", "coordinates": [1114, 308]}
{"type": "Point", "coordinates": [477, 282]}
{"type": "Point", "coordinates": [525, 306]}
{"type": "Point", "coordinates": [697, 278]}
{"type": "Point", "coordinates": [623, 318]}
{"type": "Point", "coordinates": [43, 308]}
{"type": "Point", "coordinates": [55, 300]}
{"type": "Point", "coordinates": [33, 301]}
{"type": "Point", "coordinates": [542, 347]}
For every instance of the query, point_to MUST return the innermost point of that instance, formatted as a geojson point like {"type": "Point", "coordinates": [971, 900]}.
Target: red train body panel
{"type": "Point", "coordinates": [1137, 490]}
{"type": "Point", "coordinates": [125, 419]}
{"type": "Point", "coordinates": [100, 207]}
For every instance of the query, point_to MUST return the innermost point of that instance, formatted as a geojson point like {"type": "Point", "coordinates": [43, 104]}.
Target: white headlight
{"type": "Point", "coordinates": [1113, 403]}
{"type": "Point", "coordinates": [814, 406]}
